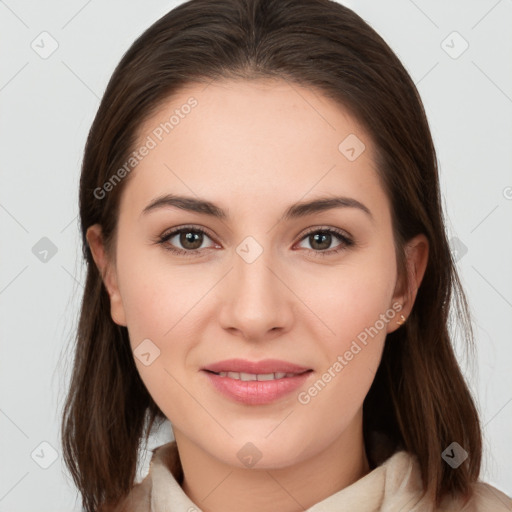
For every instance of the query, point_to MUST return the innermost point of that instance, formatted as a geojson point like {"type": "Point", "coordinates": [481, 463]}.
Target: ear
{"type": "Point", "coordinates": [108, 273]}
{"type": "Point", "coordinates": [416, 251]}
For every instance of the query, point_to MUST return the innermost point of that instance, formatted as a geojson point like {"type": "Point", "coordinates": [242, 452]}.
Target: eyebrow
{"type": "Point", "coordinates": [294, 211]}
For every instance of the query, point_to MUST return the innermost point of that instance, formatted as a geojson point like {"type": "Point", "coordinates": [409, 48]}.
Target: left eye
{"type": "Point", "coordinates": [321, 240]}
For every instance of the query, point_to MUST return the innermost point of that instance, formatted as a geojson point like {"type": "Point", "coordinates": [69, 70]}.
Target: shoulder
{"type": "Point", "coordinates": [403, 481]}
{"type": "Point", "coordinates": [138, 500]}
{"type": "Point", "coordinates": [165, 461]}
{"type": "Point", "coordinates": [139, 497]}
{"type": "Point", "coordinates": [484, 497]}
{"type": "Point", "coordinates": [164, 467]}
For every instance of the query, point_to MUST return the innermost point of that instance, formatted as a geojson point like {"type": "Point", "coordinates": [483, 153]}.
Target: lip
{"type": "Point", "coordinates": [255, 392]}
{"type": "Point", "coordinates": [256, 367]}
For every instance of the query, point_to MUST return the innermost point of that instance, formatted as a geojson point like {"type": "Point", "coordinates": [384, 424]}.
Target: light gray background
{"type": "Point", "coordinates": [47, 106]}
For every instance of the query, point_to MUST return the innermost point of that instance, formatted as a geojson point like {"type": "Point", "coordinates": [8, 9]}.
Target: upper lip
{"type": "Point", "coordinates": [255, 367]}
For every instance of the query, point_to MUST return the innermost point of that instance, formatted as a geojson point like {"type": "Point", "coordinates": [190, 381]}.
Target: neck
{"type": "Point", "coordinates": [215, 486]}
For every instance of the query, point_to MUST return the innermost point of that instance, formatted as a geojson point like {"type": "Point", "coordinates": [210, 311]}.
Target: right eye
{"type": "Point", "coordinates": [190, 239]}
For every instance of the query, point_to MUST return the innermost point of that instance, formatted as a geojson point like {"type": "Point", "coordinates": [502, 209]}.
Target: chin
{"type": "Point", "coordinates": [251, 451]}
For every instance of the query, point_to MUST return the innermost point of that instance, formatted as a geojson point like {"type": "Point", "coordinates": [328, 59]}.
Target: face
{"type": "Point", "coordinates": [314, 288]}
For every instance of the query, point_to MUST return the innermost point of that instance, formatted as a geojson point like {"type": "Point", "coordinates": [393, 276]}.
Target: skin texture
{"type": "Point", "coordinates": [254, 148]}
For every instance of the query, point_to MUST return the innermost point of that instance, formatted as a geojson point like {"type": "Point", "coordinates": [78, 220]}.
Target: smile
{"type": "Point", "coordinates": [256, 388]}
{"type": "Point", "coordinates": [253, 376]}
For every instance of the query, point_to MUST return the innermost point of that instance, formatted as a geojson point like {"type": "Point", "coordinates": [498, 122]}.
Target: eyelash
{"type": "Point", "coordinates": [342, 237]}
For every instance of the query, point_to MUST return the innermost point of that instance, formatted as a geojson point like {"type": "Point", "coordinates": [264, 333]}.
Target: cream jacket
{"type": "Point", "coordinates": [393, 486]}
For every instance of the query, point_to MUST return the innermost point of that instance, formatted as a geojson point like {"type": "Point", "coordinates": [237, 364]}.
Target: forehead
{"type": "Point", "coordinates": [261, 141]}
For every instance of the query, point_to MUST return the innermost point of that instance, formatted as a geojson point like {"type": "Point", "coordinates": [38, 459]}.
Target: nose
{"type": "Point", "coordinates": [257, 304]}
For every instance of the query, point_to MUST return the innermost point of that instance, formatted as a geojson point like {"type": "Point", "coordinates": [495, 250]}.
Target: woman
{"type": "Point", "coordinates": [268, 269]}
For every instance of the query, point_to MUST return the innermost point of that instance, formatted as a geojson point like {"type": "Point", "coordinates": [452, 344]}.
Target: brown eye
{"type": "Point", "coordinates": [321, 239]}
{"type": "Point", "coordinates": [185, 241]}
{"type": "Point", "coordinates": [191, 239]}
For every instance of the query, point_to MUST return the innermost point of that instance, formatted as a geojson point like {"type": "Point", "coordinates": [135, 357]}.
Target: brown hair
{"type": "Point", "coordinates": [419, 397]}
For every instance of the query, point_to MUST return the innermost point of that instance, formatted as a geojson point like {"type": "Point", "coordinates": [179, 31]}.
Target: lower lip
{"type": "Point", "coordinates": [255, 392]}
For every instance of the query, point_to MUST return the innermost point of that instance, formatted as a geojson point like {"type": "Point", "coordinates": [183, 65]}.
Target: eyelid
{"type": "Point", "coordinates": [315, 229]}
{"type": "Point", "coordinates": [177, 229]}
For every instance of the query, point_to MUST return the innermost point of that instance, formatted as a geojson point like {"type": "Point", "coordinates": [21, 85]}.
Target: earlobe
{"type": "Point", "coordinates": [416, 251]}
{"type": "Point", "coordinates": [107, 271]}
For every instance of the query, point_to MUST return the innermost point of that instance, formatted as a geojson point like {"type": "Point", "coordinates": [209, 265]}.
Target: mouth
{"type": "Point", "coordinates": [256, 383]}
{"type": "Point", "coordinates": [243, 376]}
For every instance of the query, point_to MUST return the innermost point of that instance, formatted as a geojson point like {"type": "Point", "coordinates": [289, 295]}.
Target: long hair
{"type": "Point", "coordinates": [419, 397]}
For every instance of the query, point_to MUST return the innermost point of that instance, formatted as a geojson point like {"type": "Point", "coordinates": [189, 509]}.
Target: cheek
{"type": "Point", "coordinates": [358, 316]}
{"type": "Point", "coordinates": [356, 303]}
{"type": "Point", "coordinates": [352, 297]}
{"type": "Point", "coordinates": [157, 297]}
{"type": "Point", "coordinates": [163, 310]}
{"type": "Point", "coordinates": [159, 313]}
